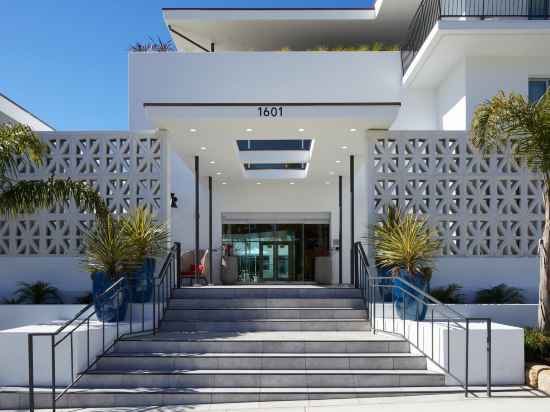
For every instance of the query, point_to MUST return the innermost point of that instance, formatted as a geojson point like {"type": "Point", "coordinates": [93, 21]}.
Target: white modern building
{"type": "Point", "coordinates": [275, 126]}
{"type": "Point", "coordinates": [273, 138]}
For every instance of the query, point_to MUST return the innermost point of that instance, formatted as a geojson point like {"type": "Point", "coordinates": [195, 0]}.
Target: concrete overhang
{"type": "Point", "coordinates": [300, 29]}
{"type": "Point", "coordinates": [210, 131]}
{"type": "Point", "coordinates": [450, 41]}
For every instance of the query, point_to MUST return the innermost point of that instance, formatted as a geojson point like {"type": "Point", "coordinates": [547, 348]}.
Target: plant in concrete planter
{"type": "Point", "coordinates": [406, 244]}
{"type": "Point", "coordinates": [38, 293]}
{"type": "Point", "coordinates": [500, 294]}
{"type": "Point", "coordinates": [149, 239]}
{"type": "Point", "coordinates": [109, 255]}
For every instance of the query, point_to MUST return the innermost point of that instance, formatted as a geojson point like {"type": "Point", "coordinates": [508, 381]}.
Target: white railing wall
{"type": "Point", "coordinates": [128, 169]}
{"type": "Point", "coordinates": [481, 206]}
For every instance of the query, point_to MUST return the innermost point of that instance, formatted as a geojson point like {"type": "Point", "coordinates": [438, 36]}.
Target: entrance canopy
{"type": "Point", "coordinates": [270, 141]}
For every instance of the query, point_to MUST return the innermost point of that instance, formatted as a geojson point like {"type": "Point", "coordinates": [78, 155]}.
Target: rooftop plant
{"type": "Point", "coordinates": [500, 294]}
{"type": "Point", "coordinates": [38, 293]}
{"type": "Point", "coordinates": [376, 46]}
{"type": "Point", "coordinates": [451, 294]}
{"type": "Point", "coordinates": [157, 45]}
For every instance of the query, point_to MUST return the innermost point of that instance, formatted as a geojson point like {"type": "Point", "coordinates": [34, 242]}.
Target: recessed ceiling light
{"type": "Point", "coordinates": [203, 148]}
{"type": "Point", "coordinates": [224, 183]}
{"type": "Point", "coordinates": [218, 173]}
{"type": "Point", "coordinates": [338, 161]}
{"type": "Point", "coordinates": [331, 173]}
{"type": "Point", "coordinates": [344, 147]}
{"type": "Point", "coordinates": [301, 130]}
{"type": "Point", "coordinates": [352, 130]}
{"type": "Point", "coordinates": [249, 130]}
{"type": "Point", "coordinates": [192, 130]}
{"type": "Point", "coordinates": [212, 162]}
{"type": "Point", "coordinates": [327, 182]}
{"type": "Point", "coordinates": [291, 183]}
{"type": "Point", "coordinates": [258, 183]}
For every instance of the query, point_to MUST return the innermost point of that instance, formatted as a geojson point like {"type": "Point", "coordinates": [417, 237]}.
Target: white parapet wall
{"type": "Point", "coordinates": [445, 344]}
{"type": "Point", "coordinates": [48, 319]}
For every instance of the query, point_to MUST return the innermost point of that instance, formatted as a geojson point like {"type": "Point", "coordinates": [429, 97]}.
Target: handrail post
{"type": "Point", "coordinates": [467, 357]}
{"type": "Point", "coordinates": [489, 355]}
{"type": "Point", "coordinates": [31, 372]}
{"type": "Point", "coordinates": [53, 371]}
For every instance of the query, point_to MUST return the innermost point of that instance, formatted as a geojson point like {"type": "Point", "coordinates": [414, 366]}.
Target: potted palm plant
{"type": "Point", "coordinates": [109, 256]}
{"type": "Point", "coordinates": [407, 246]}
{"type": "Point", "coordinates": [149, 239]}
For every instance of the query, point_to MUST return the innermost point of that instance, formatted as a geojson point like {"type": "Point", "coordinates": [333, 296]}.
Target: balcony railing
{"type": "Point", "coordinates": [430, 11]}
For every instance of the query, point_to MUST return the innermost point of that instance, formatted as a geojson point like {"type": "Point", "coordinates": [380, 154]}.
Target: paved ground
{"type": "Point", "coordinates": [514, 401]}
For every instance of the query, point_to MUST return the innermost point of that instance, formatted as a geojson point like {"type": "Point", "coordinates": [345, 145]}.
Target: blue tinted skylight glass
{"type": "Point", "coordinates": [279, 144]}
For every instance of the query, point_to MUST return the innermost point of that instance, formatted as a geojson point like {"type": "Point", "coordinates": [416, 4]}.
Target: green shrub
{"type": "Point", "coordinates": [537, 345]}
{"type": "Point", "coordinates": [449, 294]}
{"type": "Point", "coordinates": [500, 294]}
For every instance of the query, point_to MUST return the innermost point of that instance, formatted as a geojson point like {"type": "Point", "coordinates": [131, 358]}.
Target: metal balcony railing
{"type": "Point", "coordinates": [430, 11]}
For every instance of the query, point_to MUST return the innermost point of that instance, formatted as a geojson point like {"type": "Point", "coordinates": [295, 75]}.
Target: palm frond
{"type": "Point", "coordinates": [28, 196]}
{"type": "Point", "coordinates": [18, 142]}
{"type": "Point", "coordinates": [500, 294]}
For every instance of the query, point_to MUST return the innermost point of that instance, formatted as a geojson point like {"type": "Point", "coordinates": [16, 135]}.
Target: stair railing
{"type": "Point", "coordinates": [373, 290]}
{"type": "Point", "coordinates": [142, 318]}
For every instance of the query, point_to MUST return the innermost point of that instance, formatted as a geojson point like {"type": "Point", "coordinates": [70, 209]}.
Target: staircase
{"type": "Point", "coordinates": [249, 344]}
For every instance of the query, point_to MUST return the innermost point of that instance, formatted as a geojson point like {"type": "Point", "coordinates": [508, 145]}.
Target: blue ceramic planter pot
{"type": "Point", "coordinates": [410, 304]}
{"type": "Point", "coordinates": [141, 282]}
{"type": "Point", "coordinates": [113, 305]}
{"type": "Point", "coordinates": [383, 289]}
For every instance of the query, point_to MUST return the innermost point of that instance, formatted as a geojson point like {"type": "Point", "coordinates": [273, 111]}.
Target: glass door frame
{"type": "Point", "coordinates": [275, 244]}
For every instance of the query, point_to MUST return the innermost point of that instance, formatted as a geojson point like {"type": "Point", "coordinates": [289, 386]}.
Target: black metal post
{"type": "Point", "coordinates": [466, 372]}
{"type": "Point", "coordinates": [197, 218]}
{"type": "Point", "coordinates": [31, 373]}
{"type": "Point", "coordinates": [212, 47]}
{"type": "Point", "coordinates": [178, 262]}
{"type": "Point", "coordinates": [340, 229]}
{"type": "Point", "coordinates": [353, 278]}
{"type": "Point", "coordinates": [210, 227]}
{"type": "Point", "coordinates": [53, 370]}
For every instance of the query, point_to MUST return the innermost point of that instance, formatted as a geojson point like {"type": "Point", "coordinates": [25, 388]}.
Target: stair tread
{"type": "Point", "coordinates": [271, 320]}
{"type": "Point", "coordinates": [171, 307]}
{"type": "Point", "coordinates": [260, 355]}
{"type": "Point", "coordinates": [267, 336]}
{"type": "Point", "coordinates": [267, 372]}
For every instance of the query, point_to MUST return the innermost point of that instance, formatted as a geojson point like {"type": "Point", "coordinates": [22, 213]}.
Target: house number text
{"type": "Point", "coordinates": [270, 111]}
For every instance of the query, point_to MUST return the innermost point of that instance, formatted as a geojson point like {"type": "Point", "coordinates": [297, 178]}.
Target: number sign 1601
{"type": "Point", "coordinates": [273, 111]}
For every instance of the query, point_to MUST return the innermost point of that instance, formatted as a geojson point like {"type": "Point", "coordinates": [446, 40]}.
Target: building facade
{"type": "Point", "coordinates": [300, 125]}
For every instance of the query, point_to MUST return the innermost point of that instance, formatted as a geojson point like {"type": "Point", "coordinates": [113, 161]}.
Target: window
{"type": "Point", "coordinates": [284, 144]}
{"type": "Point", "coordinates": [537, 87]}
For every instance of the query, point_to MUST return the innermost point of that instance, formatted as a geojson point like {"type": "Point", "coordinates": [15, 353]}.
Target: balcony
{"type": "Point", "coordinates": [432, 11]}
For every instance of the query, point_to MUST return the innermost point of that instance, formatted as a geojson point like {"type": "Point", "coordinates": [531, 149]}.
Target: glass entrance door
{"type": "Point", "coordinates": [276, 261]}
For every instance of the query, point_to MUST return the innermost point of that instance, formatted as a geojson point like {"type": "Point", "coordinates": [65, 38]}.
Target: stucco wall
{"type": "Point", "coordinates": [261, 77]}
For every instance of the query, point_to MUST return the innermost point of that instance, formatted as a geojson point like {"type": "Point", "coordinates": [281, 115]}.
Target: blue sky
{"type": "Point", "coordinates": [66, 60]}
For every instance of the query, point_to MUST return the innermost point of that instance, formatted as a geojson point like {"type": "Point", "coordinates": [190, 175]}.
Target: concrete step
{"type": "Point", "coordinates": [233, 303]}
{"type": "Point", "coordinates": [236, 314]}
{"type": "Point", "coordinates": [267, 325]}
{"type": "Point", "coordinates": [273, 361]}
{"type": "Point", "coordinates": [264, 292]}
{"type": "Point", "coordinates": [260, 378]}
{"type": "Point", "coordinates": [17, 398]}
{"type": "Point", "coordinates": [264, 342]}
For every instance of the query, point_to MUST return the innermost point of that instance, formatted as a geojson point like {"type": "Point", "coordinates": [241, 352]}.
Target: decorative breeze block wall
{"type": "Point", "coordinates": [128, 169]}
{"type": "Point", "coordinates": [480, 206]}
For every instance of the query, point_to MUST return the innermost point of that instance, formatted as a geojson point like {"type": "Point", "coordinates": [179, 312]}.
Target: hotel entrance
{"type": "Point", "coordinates": [277, 252]}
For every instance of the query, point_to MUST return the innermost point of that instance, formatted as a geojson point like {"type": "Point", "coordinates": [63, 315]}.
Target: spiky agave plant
{"type": "Point", "coordinates": [37, 293]}
{"type": "Point", "coordinates": [107, 249]}
{"type": "Point", "coordinates": [405, 240]}
{"type": "Point", "coordinates": [148, 237]}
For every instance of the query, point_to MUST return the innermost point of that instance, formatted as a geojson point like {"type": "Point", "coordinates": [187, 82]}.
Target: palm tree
{"type": "Point", "coordinates": [510, 118]}
{"type": "Point", "coordinates": [18, 142]}
{"type": "Point", "coordinates": [38, 293]}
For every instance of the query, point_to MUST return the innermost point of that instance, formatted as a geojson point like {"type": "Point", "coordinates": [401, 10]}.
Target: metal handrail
{"type": "Point", "coordinates": [370, 285]}
{"type": "Point", "coordinates": [431, 11]}
{"type": "Point", "coordinates": [163, 285]}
